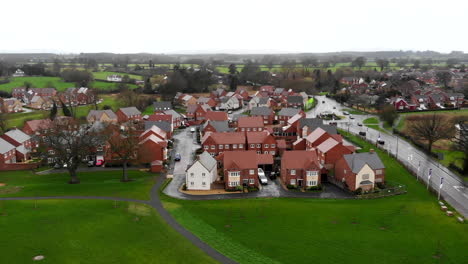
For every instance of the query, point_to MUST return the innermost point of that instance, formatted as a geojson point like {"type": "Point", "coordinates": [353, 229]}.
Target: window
{"type": "Point", "coordinates": [254, 129]}
{"type": "Point", "coordinates": [206, 147]}
{"type": "Point", "coordinates": [192, 174]}
{"type": "Point", "coordinates": [50, 160]}
{"type": "Point", "coordinates": [241, 146]}
{"type": "Point", "coordinates": [259, 145]}
{"type": "Point", "coordinates": [365, 176]}
{"type": "Point", "coordinates": [252, 145]}
{"type": "Point", "coordinates": [273, 145]}
{"type": "Point", "coordinates": [203, 183]}
{"type": "Point", "coordinates": [99, 148]}
{"type": "Point", "coordinates": [213, 147]}
{"type": "Point", "coordinates": [378, 172]}
{"type": "Point", "coordinates": [293, 181]}
{"type": "Point", "coordinates": [312, 183]}
{"type": "Point", "coordinates": [312, 173]}
{"type": "Point", "coordinates": [234, 173]}
{"type": "Point", "coordinates": [203, 174]}
{"type": "Point", "coordinates": [243, 129]}
{"type": "Point", "coordinates": [259, 152]}
{"type": "Point", "coordinates": [220, 146]}
{"type": "Point", "coordinates": [234, 146]}
{"type": "Point", "coordinates": [272, 152]}
{"type": "Point", "coordinates": [191, 183]}
{"type": "Point", "coordinates": [252, 181]}
{"type": "Point", "coordinates": [51, 152]}
{"type": "Point", "coordinates": [233, 183]}
{"type": "Point", "coordinates": [251, 172]}
{"type": "Point", "coordinates": [226, 146]}
{"type": "Point", "coordinates": [293, 172]}
{"type": "Point", "coordinates": [248, 129]}
{"type": "Point", "coordinates": [265, 152]}
{"type": "Point", "coordinates": [266, 145]}
{"type": "Point", "coordinates": [344, 171]}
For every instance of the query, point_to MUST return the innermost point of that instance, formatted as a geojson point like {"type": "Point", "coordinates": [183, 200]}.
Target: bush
{"type": "Point", "coordinates": [381, 185]}
{"type": "Point", "coordinates": [184, 187]}
{"type": "Point", "coordinates": [358, 191]}
{"type": "Point", "coordinates": [199, 151]}
{"type": "Point", "coordinates": [252, 189]}
{"type": "Point", "coordinates": [291, 186]}
{"type": "Point", "coordinates": [315, 188]}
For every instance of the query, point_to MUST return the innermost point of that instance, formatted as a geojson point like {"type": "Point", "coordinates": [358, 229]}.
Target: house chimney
{"type": "Point", "coordinates": [371, 151]}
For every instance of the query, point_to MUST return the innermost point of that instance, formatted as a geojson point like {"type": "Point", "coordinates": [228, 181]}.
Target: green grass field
{"type": "Point", "coordinates": [101, 183]}
{"type": "Point", "coordinates": [59, 84]}
{"type": "Point", "coordinates": [451, 156]}
{"type": "Point", "coordinates": [353, 111]}
{"type": "Point", "coordinates": [371, 120]}
{"type": "Point", "coordinates": [86, 231]}
{"type": "Point", "coordinates": [453, 113]}
{"type": "Point", "coordinates": [409, 228]}
{"type": "Point", "coordinates": [103, 75]}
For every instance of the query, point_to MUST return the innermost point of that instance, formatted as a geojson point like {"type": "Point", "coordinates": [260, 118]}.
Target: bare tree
{"type": "Point", "coordinates": [461, 141]}
{"type": "Point", "coordinates": [123, 141]}
{"type": "Point", "coordinates": [68, 143]}
{"type": "Point", "coordinates": [431, 128]}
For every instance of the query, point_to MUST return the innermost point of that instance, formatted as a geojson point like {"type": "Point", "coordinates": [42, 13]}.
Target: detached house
{"type": "Point", "coordinates": [197, 112]}
{"type": "Point", "coordinates": [128, 113]}
{"type": "Point", "coordinates": [153, 151]}
{"type": "Point", "coordinates": [360, 170]}
{"type": "Point", "coordinates": [216, 126]}
{"type": "Point", "coordinates": [330, 151]}
{"type": "Point", "coordinates": [300, 168]}
{"type": "Point", "coordinates": [295, 101]}
{"type": "Point", "coordinates": [106, 116]}
{"type": "Point", "coordinates": [240, 169]}
{"type": "Point", "coordinates": [207, 100]}
{"type": "Point", "coordinates": [162, 106]}
{"type": "Point", "coordinates": [7, 153]}
{"type": "Point", "coordinates": [217, 143]}
{"type": "Point", "coordinates": [10, 105]}
{"type": "Point", "coordinates": [202, 173]}
{"type": "Point", "coordinates": [229, 103]}
{"type": "Point", "coordinates": [22, 143]}
{"type": "Point", "coordinates": [216, 116]}
{"type": "Point", "coordinates": [177, 119]}
{"type": "Point", "coordinates": [265, 113]}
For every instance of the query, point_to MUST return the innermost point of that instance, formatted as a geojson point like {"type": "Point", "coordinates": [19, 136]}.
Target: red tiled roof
{"type": "Point", "coordinates": [337, 137]}
{"type": "Point", "coordinates": [39, 124]}
{"type": "Point", "coordinates": [216, 116]}
{"type": "Point", "coordinates": [160, 117]}
{"type": "Point", "coordinates": [250, 121]}
{"type": "Point", "coordinates": [281, 143]}
{"type": "Point", "coordinates": [327, 145]}
{"type": "Point", "coordinates": [256, 137]}
{"type": "Point", "coordinates": [228, 138]}
{"type": "Point", "coordinates": [316, 134]}
{"type": "Point", "coordinates": [264, 159]}
{"type": "Point", "coordinates": [298, 159]}
{"type": "Point", "coordinates": [240, 159]}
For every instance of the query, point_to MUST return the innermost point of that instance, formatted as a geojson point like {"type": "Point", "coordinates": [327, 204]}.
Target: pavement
{"type": "Point", "coordinates": [453, 191]}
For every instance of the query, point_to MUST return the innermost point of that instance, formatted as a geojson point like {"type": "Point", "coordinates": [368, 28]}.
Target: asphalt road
{"type": "Point", "coordinates": [453, 190]}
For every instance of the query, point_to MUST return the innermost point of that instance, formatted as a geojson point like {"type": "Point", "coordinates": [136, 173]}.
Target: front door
{"type": "Point", "coordinates": [245, 182]}
{"type": "Point", "coordinates": [299, 182]}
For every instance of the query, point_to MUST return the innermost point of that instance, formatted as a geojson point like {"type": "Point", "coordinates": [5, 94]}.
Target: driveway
{"type": "Point", "coordinates": [185, 144]}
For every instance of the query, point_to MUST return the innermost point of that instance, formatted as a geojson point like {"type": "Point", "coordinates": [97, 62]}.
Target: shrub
{"type": "Point", "coordinates": [184, 187]}
{"type": "Point", "coordinates": [358, 191]}
{"type": "Point", "coordinates": [199, 151]}
{"type": "Point", "coordinates": [381, 185]}
{"type": "Point", "coordinates": [252, 189]}
{"type": "Point", "coordinates": [315, 188]}
{"type": "Point", "coordinates": [291, 186]}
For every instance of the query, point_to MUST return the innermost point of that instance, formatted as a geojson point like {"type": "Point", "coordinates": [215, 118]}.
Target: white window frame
{"type": "Point", "coordinates": [259, 145]}
{"type": "Point", "coordinates": [252, 145]}
{"type": "Point", "coordinates": [234, 173]}
{"type": "Point", "coordinates": [241, 146]}
{"type": "Point", "coordinates": [312, 173]}
{"type": "Point", "coordinates": [293, 172]}
{"type": "Point", "coordinates": [251, 172]}
{"type": "Point", "coordinates": [292, 181]}
{"type": "Point", "coordinates": [234, 146]}
{"type": "Point", "coordinates": [226, 146]}
{"type": "Point", "coordinates": [266, 146]}
{"type": "Point", "coordinates": [220, 146]}
{"type": "Point", "coordinates": [207, 147]}
{"type": "Point", "coordinates": [251, 181]}
{"type": "Point", "coordinates": [213, 147]}
{"type": "Point", "coordinates": [378, 172]}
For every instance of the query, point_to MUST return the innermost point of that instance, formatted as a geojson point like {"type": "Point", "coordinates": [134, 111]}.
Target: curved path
{"type": "Point", "coordinates": [156, 203]}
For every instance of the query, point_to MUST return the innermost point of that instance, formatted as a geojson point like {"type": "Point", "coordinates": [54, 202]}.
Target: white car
{"type": "Point", "coordinates": [192, 129]}
{"type": "Point", "coordinates": [262, 177]}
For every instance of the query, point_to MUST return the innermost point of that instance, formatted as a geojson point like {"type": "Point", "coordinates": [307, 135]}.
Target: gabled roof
{"type": "Point", "coordinates": [18, 135]}
{"type": "Point", "coordinates": [261, 111]}
{"type": "Point", "coordinates": [316, 134]}
{"type": "Point", "coordinates": [219, 126]}
{"type": "Point", "coordinates": [240, 159]}
{"type": "Point", "coordinates": [129, 111]}
{"type": "Point", "coordinates": [164, 125]}
{"type": "Point", "coordinates": [39, 124]}
{"type": "Point", "coordinates": [207, 161]}
{"type": "Point", "coordinates": [5, 146]}
{"type": "Point", "coordinates": [173, 113]}
{"type": "Point", "coordinates": [314, 123]}
{"type": "Point", "coordinates": [250, 121]}
{"type": "Point", "coordinates": [203, 100]}
{"type": "Point", "coordinates": [327, 145]}
{"type": "Point", "coordinates": [298, 159]}
{"type": "Point", "coordinates": [226, 138]}
{"type": "Point", "coordinates": [294, 99]}
{"type": "Point", "coordinates": [97, 114]}
{"type": "Point", "coordinates": [289, 111]}
{"type": "Point", "coordinates": [356, 161]}
{"type": "Point", "coordinates": [216, 116]}
{"type": "Point", "coordinates": [162, 105]}
{"type": "Point", "coordinates": [294, 118]}
{"type": "Point", "coordinates": [263, 100]}
{"type": "Point", "coordinates": [279, 90]}
{"type": "Point", "coordinates": [155, 130]}
{"type": "Point", "coordinates": [257, 137]}
{"type": "Point", "coordinates": [155, 139]}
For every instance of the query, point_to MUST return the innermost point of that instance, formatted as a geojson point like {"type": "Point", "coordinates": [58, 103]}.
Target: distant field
{"type": "Point", "coordinates": [103, 75]}
{"type": "Point", "coordinates": [56, 82]}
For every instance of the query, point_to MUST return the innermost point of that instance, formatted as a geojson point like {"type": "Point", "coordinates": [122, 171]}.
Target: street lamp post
{"type": "Point", "coordinates": [419, 167]}
{"type": "Point", "coordinates": [440, 187]}
{"type": "Point", "coordinates": [429, 178]}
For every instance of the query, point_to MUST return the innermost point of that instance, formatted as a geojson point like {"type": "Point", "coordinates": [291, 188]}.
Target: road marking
{"type": "Point", "coordinates": [461, 189]}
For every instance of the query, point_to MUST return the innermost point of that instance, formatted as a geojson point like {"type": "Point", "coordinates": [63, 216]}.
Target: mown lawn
{"type": "Point", "coordinates": [86, 231]}
{"type": "Point", "coordinates": [402, 124]}
{"type": "Point", "coordinates": [101, 183]}
{"type": "Point", "coordinates": [409, 228]}
{"type": "Point", "coordinates": [103, 75]}
{"type": "Point", "coordinates": [371, 120]}
{"type": "Point", "coordinates": [56, 82]}
{"type": "Point", "coordinates": [353, 111]}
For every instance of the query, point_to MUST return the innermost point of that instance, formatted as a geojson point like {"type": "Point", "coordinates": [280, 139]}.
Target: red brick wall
{"type": "Point", "coordinates": [244, 175]}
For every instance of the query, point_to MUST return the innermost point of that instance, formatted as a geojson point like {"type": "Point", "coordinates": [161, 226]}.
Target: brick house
{"type": "Point", "coordinates": [305, 126]}
{"type": "Point", "coordinates": [7, 153]}
{"type": "Point", "coordinates": [10, 105]}
{"type": "Point", "coordinates": [300, 168]}
{"type": "Point", "coordinates": [295, 101]}
{"type": "Point", "coordinates": [218, 93]}
{"type": "Point", "coordinates": [401, 104]}
{"type": "Point", "coordinates": [77, 96]}
{"type": "Point", "coordinates": [106, 116]}
{"type": "Point", "coordinates": [217, 143]}
{"type": "Point", "coordinates": [128, 113]}
{"type": "Point", "coordinates": [151, 149]}
{"type": "Point", "coordinates": [154, 130]}
{"type": "Point", "coordinates": [207, 100]}
{"type": "Point", "coordinates": [177, 119]}
{"type": "Point", "coordinates": [240, 169]}
{"type": "Point", "coordinates": [197, 112]}
{"type": "Point", "coordinates": [261, 142]}
{"type": "Point", "coordinates": [216, 126]}
{"type": "Point", "coordinates": [330, 151]}
{"type": "Point", "coordinates": [250, 123]}
{"type": "Point", "coordinates": [162, 106]}
{"type": "Point", "coordinates": [286, 113]}
{"type": "Point", "coordinates": [163, 125]}
{"type": "Point", "coordinates": [265, 113]}
{"type": "Point", "coordinates": [318, 136]}
{"type": "Point", "coordinates": [360, 170]}
{"type": "Point", "coordinates": [21, 141]}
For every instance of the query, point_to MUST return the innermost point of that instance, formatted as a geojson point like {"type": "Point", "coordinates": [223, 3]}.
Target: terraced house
{"type": "Point", "coordinates": [217, 143]}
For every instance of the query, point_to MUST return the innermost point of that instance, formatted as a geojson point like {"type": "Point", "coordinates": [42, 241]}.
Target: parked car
{"type": "Point", "coordinates": [177, 157]}
{"type": "Point", "coordinates": [192, 129]}
{"type": "Point", "coordinates": [90, 163]}
{"type": "Point", "coordinates": [262, 177]}
{"type": "Point", "coordinates": [323, 102]}
{"type": "Point", "coordinates": [362, 133]}
{"type": "Point", "coordinates": [230, 112]}
{"type": "Point", "coordinates": [345, 113]}
{"type": "Point", "coordinates": [380, 141]}
{"type": "Point", "coordinates": [351, 117]}
{"type": "Point", "coordinates": [334, 107]}
{"type": "Point", "coordinates": [359, 124]}
{"type": "Point", "coordinates": [272, 175]}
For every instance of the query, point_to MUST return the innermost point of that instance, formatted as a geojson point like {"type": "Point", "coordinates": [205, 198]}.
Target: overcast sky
{"type": "Point", "coordinates": [234, 26]}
